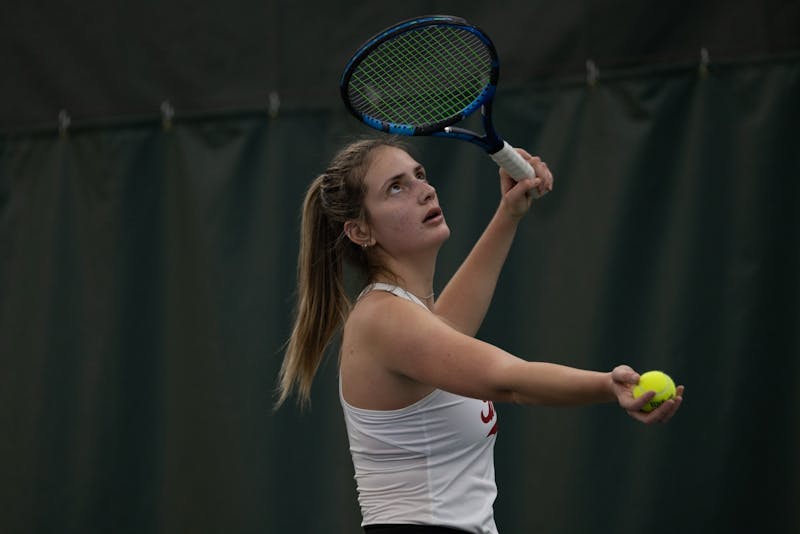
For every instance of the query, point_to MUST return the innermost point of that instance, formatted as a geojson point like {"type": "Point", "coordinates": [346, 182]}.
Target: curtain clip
{"type": "Point", "coordinates": [167, 114]}
{"type": "Point", "coordinates": [64, 121]}
{"type": "Point", "coordinates": [592, 73]}
{"type": "Point", "coordinates": [705, 60]}
{"type": "Point", "coordinates": [274, 104]}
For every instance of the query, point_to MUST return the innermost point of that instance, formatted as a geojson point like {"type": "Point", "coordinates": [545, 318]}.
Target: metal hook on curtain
{"type": "Point", "coordinates": [592, 73]}
{"type": "Point", "coordinates": [64, 121]}
{"type": "Point", "coordinates": [274, 104]}
{"type": "Point", "coordinates": [705, 60]}
{"type": "Point", "coordinates": [167, 114]}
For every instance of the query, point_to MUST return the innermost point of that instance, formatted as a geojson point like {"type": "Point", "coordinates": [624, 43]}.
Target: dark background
{"type": "Point", "coordinates": [147, 270]}
{"type": "Point", "coordinates": [110, 61]}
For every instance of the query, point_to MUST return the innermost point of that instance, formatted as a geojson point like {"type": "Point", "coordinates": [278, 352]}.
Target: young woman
{"type": "Point", "coordinates": [417, 389]}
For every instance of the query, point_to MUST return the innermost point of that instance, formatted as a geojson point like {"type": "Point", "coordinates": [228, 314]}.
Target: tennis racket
{"type": "Point", "coordinates": [423, 75]}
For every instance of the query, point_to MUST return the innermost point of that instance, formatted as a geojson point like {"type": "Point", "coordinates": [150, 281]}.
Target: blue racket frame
{"type": "Point", "coordinates": [491, 142]}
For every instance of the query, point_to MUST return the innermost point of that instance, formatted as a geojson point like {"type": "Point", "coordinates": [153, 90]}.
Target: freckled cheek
{"type": "Point", "coordinates": [403, 222]}
{"type": "Point", "coordinates": [396, 224]}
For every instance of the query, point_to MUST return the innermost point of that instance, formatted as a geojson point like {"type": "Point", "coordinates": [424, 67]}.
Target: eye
{"type": "Point", "coordinates": [394, 187]}
{"type": "Point", "coordinates": [422, 176]}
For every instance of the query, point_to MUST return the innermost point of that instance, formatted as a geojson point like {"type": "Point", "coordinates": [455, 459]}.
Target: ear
{"type": "Point", "coordinates": [358, 232]}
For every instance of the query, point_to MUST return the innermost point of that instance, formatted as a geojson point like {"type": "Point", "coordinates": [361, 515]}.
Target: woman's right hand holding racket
{"type": "Point", "coordinates": [518, 196]}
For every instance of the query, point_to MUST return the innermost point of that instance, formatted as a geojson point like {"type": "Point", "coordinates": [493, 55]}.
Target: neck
{"type": "Point", "coordinates": [415, 277]}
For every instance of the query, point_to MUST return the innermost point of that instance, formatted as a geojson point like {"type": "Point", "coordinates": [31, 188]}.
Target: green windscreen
{"type": "Point", "coordinates": [423, 76]}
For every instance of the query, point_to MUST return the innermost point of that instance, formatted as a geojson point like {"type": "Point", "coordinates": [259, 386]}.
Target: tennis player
{"type": "Point", "coordinates": [416, 387]}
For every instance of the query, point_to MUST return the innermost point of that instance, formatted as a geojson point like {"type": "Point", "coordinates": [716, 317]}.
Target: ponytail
{"type": "Point", "coordinates": [322, 303]}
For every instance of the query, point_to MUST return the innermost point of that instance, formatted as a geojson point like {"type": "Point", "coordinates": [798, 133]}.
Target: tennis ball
{"type": "Point", "coordinates": [656, 381]}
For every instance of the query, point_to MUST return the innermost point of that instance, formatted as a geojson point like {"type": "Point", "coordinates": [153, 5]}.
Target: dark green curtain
{"type": "Point", "coordinates": [146, 289]}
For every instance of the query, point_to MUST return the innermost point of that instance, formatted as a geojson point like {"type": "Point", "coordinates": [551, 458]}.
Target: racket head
{"type": "Point", "coordinates": [421, 75]}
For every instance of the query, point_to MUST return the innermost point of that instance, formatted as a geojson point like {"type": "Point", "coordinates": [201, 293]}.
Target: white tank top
{"type": "Point", "coordinates": [428, 463]}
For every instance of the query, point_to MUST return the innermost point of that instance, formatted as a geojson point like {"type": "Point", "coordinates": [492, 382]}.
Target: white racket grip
{"type": "Point", "coordinates": [514, 164]}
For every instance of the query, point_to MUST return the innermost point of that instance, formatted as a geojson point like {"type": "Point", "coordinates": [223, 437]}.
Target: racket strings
{"type": "Point", "coordinates": [437, 73]}
{"type": "Point", "coordinates": [422, 77]}
{"type": "Point", "coordinates": [427, 90]}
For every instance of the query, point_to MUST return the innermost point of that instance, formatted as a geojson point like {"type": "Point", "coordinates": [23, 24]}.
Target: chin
{"type": "Point", "coordinates": [445, 233]}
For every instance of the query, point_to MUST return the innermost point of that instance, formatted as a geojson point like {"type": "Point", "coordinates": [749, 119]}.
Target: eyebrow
{"type": "Point", "coordinates": [391, 179]}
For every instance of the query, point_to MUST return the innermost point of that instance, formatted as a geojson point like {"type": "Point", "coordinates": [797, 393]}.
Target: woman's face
{"type": "Point", "coordinates": [403, 214]}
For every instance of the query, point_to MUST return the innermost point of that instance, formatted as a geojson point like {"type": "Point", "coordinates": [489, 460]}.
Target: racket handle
{"type": "Point", "coordinates": [514, 164]}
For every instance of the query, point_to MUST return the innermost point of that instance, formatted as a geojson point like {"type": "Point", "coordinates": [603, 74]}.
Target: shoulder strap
{"type": "Point", "coordinates": [394, 290]}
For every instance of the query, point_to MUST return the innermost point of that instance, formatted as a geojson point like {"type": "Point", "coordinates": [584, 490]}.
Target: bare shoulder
{"type": "Point", "coordinates": [380, 317]}
{"type": "Point", "coordinates": [393, 336]}
{"type": "Point", "coordinates": [369, 347]}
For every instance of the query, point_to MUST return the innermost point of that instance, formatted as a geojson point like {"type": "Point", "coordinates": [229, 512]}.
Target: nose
{"type": "Point", "coordinates": [427, 192]}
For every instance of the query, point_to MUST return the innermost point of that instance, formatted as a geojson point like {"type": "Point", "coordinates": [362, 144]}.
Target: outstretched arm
{"type": "Point", "coordinates": [411, 343]}
{"type": "Point", "coordinates": [466, 298]}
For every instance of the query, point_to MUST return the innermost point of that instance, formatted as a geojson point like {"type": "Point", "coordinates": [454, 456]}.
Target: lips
{"type": "Point", "coordinates": [432, 214]}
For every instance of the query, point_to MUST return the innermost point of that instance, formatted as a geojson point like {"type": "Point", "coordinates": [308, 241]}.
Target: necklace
{"type": "Point", "coordinates": [410, 294]}
{"type": "Point", "coordinates": [391, 288]}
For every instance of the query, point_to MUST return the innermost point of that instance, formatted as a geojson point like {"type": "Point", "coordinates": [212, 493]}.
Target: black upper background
{"type": "Point", "coordinates": [114, 61]}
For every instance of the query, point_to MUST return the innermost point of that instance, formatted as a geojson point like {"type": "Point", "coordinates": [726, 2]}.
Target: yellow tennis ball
{"type": "Point", "coordinates": [656, 381]}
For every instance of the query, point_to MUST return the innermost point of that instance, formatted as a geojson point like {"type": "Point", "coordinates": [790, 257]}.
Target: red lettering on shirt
{"type": "Point", "coordinates": [487, 417]}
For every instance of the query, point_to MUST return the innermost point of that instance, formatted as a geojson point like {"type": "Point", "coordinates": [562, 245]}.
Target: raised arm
{"type": "Point", "coordinates": [465, 299]}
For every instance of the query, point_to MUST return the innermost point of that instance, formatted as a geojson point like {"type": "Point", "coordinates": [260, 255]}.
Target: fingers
{"type": "Point", "coordinates": [518, 195]}
{"type": "Point", "coordinates": [527, 188]}
{"type": "Point", "coordinates": [524, 153]}
{"type": "Point", "coordinates": [625, 374]}
{"type": "Point", "coordinates": [636, 405]}
{"type": "Point", "coordinates": [663, 413]}
{"type": "Point", "coordinates": [543, 179]}
{"type": "Point", "coordinates": [543, 183]}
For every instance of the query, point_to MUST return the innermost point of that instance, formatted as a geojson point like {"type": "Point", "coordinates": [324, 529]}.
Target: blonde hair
{"type": "Point", "coordinates": [333, 198]}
